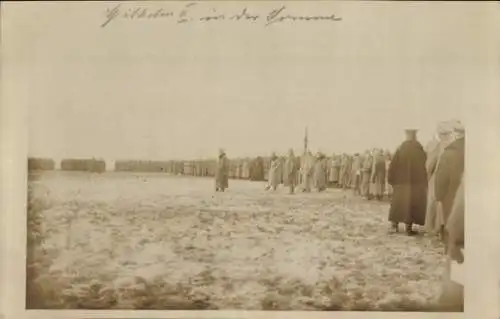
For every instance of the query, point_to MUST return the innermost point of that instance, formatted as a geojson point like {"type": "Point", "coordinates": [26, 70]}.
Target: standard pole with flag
{"type": "Point", "coordinates": [306, 140]}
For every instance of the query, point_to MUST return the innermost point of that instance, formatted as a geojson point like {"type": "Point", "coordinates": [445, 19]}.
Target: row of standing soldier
{"type": "Point", "coordinates": [365, 174]}
{"type": "Point", "coordinates": [418, 177]}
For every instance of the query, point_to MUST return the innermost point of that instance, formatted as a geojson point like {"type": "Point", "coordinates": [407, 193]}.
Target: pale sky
{"type": "Point", "coordinates": [157, 90]}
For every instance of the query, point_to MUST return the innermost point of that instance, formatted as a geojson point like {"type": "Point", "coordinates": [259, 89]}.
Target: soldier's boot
{"type": "Point", "coordinates": [394, 228]}
{"type": "Point", "coordinates": [441, 233]}
{"type": "Point", "coordinates": [409, 230]}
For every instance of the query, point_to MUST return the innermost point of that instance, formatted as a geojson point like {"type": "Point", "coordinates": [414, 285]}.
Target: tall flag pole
{"type": "Point", "coordinates": [306, 140]}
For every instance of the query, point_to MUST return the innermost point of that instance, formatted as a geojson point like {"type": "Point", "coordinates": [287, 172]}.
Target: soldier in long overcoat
{"type": "Point", "coordinates": [307, 171]}
{"type": "Point", "coordinates": [366, 171]}
{"type": "Point", "coordinates": [222, 172]}
{"type": "Point", "coordinates": [434, 220]}
{"type": "Point", "coordinates": [274, 178]}
{"type": "Point", "coordinates": [378, 174]}
{"type": "Point", "coordinates": [333, 176]}
{"type": "Point", "coordinates": [449, 172]}
{"type": "Point", "coordinates": [388, 187]}
{"type": "Point", "coordinates": [345, 171]}
{"type": "Point", "coordinates": [357, 160]}
{"type": "Point", "coordinates": [290, 170]}
{"type": "Point", "coordinates": [320, 172]}
{"type": "Point", "coordinates": [408, 177]}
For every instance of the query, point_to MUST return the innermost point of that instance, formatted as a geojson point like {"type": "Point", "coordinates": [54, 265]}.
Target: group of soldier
{"type": "Point", "coordinates": [410, 177]}
{"type": "Point", "coordinates": [425, 185]}
{"type": "Point", "coordinates": [365, 174]}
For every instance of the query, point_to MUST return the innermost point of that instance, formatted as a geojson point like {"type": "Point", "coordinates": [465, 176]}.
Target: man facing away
{"type": "Point", "coordinates": [290, 172]}
{"type": "Point", "coordinates": [388, 188]}
{"type": "Point", "coordinates": [366, 170]}
{"type": "Point", "coordinates": [356, 174]}
{"type": "Point", "coordinates": [450, 170]}
{"type": "Point", "coordinates": [307, 167]}
{"type": "Point", "coordinates": [333, 176]}
{"type": "Point", "coordinates": [408, 177]}
{"type": "Point", "coordinates": [434, 221]}
{"type": "Point", "coordinates": [378, 174]}
{"type": "Point", "coordinates": [273, 178]}
{"type": "Point", "coordinates": [320, 172]}
{"type": "Point", "coordinates": [221, 176]}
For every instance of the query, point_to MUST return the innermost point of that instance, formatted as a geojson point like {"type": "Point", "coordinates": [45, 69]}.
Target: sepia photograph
{"type": "Point", "coordinates": [232, 155]}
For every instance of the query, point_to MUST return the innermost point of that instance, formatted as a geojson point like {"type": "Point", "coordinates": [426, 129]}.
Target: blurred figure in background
{"type": "Point", "coordinates": [281, 172]}
{"type": "Point", "coordinates": [221, 176]}
{"type": "Point", "coordinates": [290, 172]}
{"type": "Point", "coordinates": [320, 172]}
{"type": "Point", "coordinates": [347, 181]}
{"type": "Point", "coordinates": [307, 170]}
{"type": "Point", "coordinates": [345, 171]}
{"type": "Point", "coordinates": [408, 177]}
{"type": "Point", "coordinates": [298, 179]}
{"type": "Point", "coordinates": [333, 176]}
{"type": "Point", "coordinates": [378, 174]}
{"type": "Point", "coordinates": [274, 178]}
{"type": "Point", "coordinates": [246, 169]}
{"type": "Point", "coordinates": [366, 170]}
{"type": "Point", "coordinates": [388, 187]}
{"type": "Point", "coordinates": [257, 168]}
{"type": "Point", "coordinates": [357, 160]}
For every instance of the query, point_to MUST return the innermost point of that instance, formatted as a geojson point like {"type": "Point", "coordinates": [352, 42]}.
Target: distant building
{"type": "Point", "coordinates": [41, 164]}
{"type": "Point", "coordinates": [83, 165]}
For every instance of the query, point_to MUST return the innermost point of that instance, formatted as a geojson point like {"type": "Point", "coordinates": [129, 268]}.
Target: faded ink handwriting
{"type": "Point", "coordinates": [195, 12]}
{"type": "Point", "coordinates": [280, 15]}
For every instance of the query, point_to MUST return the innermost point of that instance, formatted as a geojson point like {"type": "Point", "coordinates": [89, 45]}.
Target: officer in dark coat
{"type": "Point", "coordinates": [257, 169]}
{"type": "Point", "coordinates": [408, 177]}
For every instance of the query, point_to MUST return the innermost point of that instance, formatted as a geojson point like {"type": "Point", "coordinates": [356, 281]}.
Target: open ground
{"type": "Point", "coordinates": [153, 241]}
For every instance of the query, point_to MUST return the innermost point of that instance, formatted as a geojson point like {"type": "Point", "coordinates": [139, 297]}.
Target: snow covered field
{"type": "Point", "coordinates": [152, 241]}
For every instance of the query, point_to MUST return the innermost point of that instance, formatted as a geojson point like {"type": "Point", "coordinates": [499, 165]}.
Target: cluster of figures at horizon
{"type": "Point", "coordinates": [364, 173]}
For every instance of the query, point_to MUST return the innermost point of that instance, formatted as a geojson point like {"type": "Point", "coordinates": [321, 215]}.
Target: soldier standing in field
{"type": "Point", "coordinates": [320, 172]}
{"type": "Point", "coordinates": [222, 172]}
{"type": "Point", "coordinates": [378, 174]}
{"type": "Point", "coordinates": [366, 171]}
{"type": "Point", "coordinates": [408, 177]}
{"type": "Point", "coordinates": [290, 172]}
{"type": "Point", "coordinates": [356, 173]}
{"type": "Point", "coordinates": [307, 170]}
{"type": "Point", "coordinates": [449, 171]}
{"type": "Point", "coordinates": [274, 173]}
{"type": "Point", "coordinates": [434, 221]}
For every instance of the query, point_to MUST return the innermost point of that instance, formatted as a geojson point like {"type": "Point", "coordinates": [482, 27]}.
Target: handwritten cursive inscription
{"type": "Point", "coordinates": [135, 13]}
{"type": "Point", "coordinates": [195, 12]}
{"type": "Point", "coordinates": [279, 15]}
